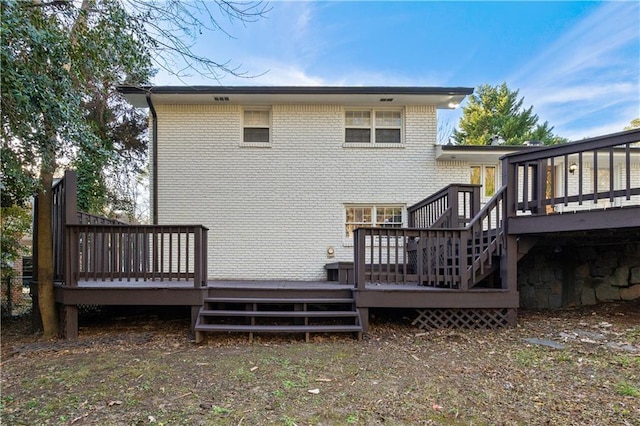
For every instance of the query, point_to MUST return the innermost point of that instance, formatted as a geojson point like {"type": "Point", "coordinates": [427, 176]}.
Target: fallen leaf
{"type": "Point", "coordinates": [112, 403]}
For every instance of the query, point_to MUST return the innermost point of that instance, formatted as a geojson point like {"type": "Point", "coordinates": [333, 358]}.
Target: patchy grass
{"type": "Point", "coordinates": [142, 370]}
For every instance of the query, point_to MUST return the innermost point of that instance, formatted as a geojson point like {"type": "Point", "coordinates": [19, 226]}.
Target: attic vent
{"type": "Point", "coordinates": [386, 99]}
{"type": "Point", "coordinates": [221, 98]}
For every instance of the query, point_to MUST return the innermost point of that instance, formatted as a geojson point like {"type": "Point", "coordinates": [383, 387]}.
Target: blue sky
{"type": "Point", "coordinates": [577, 63]}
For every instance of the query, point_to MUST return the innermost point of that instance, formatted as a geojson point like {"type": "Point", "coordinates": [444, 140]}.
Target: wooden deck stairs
{"type": "Point", "coordinates": [278, 309]}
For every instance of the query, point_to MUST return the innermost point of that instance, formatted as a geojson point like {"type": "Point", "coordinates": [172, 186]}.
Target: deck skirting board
{"type": "Point", "coordinates": [405, 298]}
{"type": "Point", "coordinates": [145, 296]}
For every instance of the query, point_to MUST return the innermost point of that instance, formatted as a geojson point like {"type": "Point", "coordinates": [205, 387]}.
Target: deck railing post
{"type": "Point", "coordinates": [359, 253]}
{"type": "Point", "coordinates": [463, 258]}
{"type": "Point", "coordinates": [475, 201]}
{"type": "Point", "coordinates": [71, 253]}
{"type": "Point", "coordinates": [205, 256]}
{"type": "Point", "coordinates": [509, 256]}
{"type": "Point", "coordinates": [454, 206]}
{"type": "Point", "coordinates": [197, 256]}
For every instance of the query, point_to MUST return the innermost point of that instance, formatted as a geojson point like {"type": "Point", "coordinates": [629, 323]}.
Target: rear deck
{"type": "Point", "coordinates": [454, 263]}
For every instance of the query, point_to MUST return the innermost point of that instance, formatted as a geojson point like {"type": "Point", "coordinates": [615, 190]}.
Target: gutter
{"type": "Point", "coordinates": [154, 161]}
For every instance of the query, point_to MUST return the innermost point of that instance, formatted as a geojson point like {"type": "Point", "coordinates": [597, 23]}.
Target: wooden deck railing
{"type": "Point", "coordinates": [435, 257]}
{"type": "Point", "coordinates": [595, 173]}
{"type": "Point", "coordinates": [451, 249]}
{"type": "Point", "coordinates": [451, 207]}
{"type": "Point", "coordinates": [116, 252]}
{"type": "Point", "coordinates": [94, 248]}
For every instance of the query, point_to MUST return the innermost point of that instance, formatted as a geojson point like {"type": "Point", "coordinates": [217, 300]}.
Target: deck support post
{"type": "Point", "coordinates": [193, 334]}
{"type": "Point", "coordinates": [69, 318]}
{"type": "Point", "coordinates": [509, 264]}
{"type": "Point", "coordinates": [364, 318]}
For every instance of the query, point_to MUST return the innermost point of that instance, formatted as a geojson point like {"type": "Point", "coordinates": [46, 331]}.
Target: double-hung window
{"type": "Point", "coordinates": [256, 126]}
{"type": "Point", "coordinates": [384, 216]}
{"type": "Point", "coordinates": [373, 127]}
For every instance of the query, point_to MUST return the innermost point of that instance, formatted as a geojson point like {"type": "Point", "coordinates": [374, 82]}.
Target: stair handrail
{"type": "Point", "coordinates": [494, 245]}
{"type": "Point", "coordinates": [442, 209]}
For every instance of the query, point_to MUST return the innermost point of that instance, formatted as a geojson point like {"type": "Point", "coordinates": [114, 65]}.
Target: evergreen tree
{"type": "Point", "coordinates": [494, 112]}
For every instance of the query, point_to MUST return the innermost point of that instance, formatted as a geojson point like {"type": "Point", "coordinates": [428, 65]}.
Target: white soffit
{"type": "Point", "coordinates": [441, 97]}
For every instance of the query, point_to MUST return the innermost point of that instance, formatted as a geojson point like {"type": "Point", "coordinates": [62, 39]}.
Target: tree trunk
{"type": "Point", "coordinates": [46, 300]}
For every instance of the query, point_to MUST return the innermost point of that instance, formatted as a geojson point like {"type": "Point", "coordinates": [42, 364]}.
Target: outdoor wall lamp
{"type": "Point", "coordinates": [572, 168]}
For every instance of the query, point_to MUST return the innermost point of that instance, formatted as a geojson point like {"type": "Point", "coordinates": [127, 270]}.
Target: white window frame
{"type": "Point", "coordinates": [372, 129]}
{"type": "Point", "coordinates": [483, 176]}
{"type": "Point", "coordinates": [347, 240]}
{"type": "Point", "coordinates": [245, 125]}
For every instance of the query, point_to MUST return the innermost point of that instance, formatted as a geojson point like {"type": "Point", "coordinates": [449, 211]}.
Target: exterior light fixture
{"type": "Point", "coordinates": [572, 168]}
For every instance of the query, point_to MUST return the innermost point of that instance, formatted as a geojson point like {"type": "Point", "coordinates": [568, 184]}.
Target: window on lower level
{"type": "Point", "coordinates": [373, 127]}
{"type": "Point", "coordinates": [372, 216]}
{"type": "Point", "coordinates": [256, 126]}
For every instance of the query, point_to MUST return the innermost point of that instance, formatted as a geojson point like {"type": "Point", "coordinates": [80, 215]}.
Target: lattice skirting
{"type": "Point", "coordinates": [432, 319]}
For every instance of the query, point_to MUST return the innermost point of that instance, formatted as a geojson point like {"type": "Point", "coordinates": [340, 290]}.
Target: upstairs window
{"type": "Point", "coordinates": [256, 126]}
{"type": "Point", "coordinates": [373, 127]}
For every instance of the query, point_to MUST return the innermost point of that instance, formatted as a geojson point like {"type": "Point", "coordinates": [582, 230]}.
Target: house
{"type": "Point", "coordinates": [316, 204]}
{"type": "Point", "coordinates": [266, 168]}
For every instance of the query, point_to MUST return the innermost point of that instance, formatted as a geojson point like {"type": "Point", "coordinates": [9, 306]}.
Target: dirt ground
{"type": "Point", "coordinates": [582, 368]}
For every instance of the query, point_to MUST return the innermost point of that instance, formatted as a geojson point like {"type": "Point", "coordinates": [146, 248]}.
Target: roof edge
{"type": "Point", "coordinates": [296, 90]}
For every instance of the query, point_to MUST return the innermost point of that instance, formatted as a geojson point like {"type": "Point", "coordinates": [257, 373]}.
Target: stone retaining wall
{"type": "Point", "coordinates": [555, 277]}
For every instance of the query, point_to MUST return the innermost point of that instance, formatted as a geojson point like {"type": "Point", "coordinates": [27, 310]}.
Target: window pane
{"type": "Point", "coordinates": [387, 135]}
{"type": "Point", "coordinates": [256, 134]}
{"type": "Point", "coordinates": [388, 119]}
{"type": "Point", "coordinates": [358, 118]}
{"type": "Point", "coordinates": [489, 181]}
{"type": "Point", "coordinates": [256, 118]}
{"type": "Point", "coordinates": [389, 217]}
{"type": "Point", "coordinates": [475, 175]}
{"type": "Point", "coordinates": [357, 217]}
{"type": "Point", "coordinates": [358, 135]}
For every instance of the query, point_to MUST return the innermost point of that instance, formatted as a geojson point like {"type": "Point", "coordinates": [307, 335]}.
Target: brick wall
{"type": "Point", "coordinates": [273, 212]}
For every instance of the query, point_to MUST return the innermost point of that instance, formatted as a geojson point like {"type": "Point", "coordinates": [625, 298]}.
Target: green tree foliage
{"type": "Point", "coordinates": [51, 54]}
{"type": "Point", "coordinates": [635, 124]}
{"type": "Point", "coordinates": [499, 112]}
{"type": "Point", "coordinates": [61, 61]}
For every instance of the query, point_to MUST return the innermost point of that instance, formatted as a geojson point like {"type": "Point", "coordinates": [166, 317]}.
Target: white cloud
{"type": "Point", "coordinates": [587, 83]}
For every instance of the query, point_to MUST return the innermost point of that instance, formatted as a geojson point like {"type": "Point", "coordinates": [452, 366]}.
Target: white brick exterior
{"type": "Point", "coordinates": [273, 212]}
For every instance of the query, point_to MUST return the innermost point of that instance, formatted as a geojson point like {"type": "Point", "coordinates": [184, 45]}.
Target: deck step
{"type": "Point", "coordinates": [278, 301]}
{"type": "Point", "coordinates": [276, 314]}
{"type": "Point", "coordinates": [279, 328]}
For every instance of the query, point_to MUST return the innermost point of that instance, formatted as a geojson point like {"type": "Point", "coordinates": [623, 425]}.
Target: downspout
{"type": "Point", "coordinates": [154, 162]}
